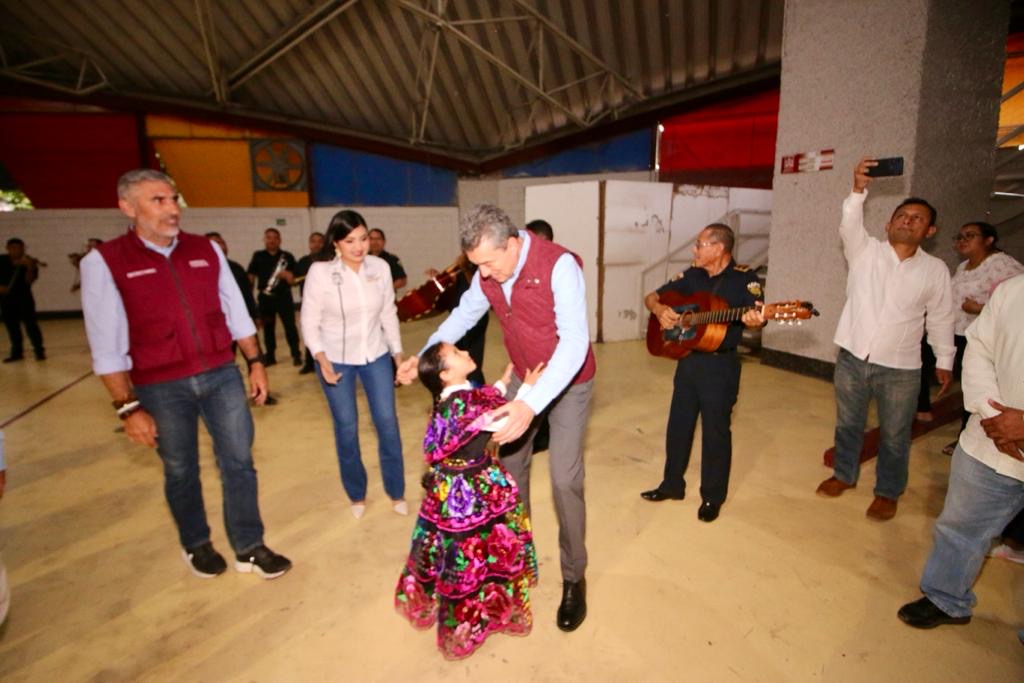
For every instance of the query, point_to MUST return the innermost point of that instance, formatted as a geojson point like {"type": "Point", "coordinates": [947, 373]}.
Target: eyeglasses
{"type": "Point", "coordinates": [966, 236]}
{"type": "Point", "coordinates": [700, 244]}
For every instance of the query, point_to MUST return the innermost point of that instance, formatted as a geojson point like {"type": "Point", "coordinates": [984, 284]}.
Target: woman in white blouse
{"type": "Point", "coordinates": [984, 267]}
{"type": "Point", "coordinates": [350, 324]}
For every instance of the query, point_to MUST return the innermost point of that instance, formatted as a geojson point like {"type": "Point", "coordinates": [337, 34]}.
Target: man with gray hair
{"type": "Point", "coordinates": [161, 310]}
{"type": "Point", "coordinates": [537, 291]}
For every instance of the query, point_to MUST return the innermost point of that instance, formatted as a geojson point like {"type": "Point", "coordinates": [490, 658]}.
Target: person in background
{"type": "Point", "coordinates": [278, 302]}
{"type": "Point", "coordinates": [377, 243]}
{"type": "Point", "coordinates": [75, 258]}
{"type": "Point", "coordinates": [242, 279]}
{"type": "Point", "coordinates": [18, 271]}
{"type": "Point", "coordinates": [985, 265]}
{"type": "Point", "coordinates": [542, 229]}
{"type": "Point", "coordinates": [350, 325]}
{"type": "Point", "coordinates": [316, 245]}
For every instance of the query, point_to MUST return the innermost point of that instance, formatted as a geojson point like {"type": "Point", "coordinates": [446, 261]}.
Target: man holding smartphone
{"type": "Point", "coordinates": [895, 290]}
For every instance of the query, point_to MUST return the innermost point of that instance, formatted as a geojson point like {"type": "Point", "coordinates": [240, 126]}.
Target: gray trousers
{"type": "Point", "coordinates": [567, 416]}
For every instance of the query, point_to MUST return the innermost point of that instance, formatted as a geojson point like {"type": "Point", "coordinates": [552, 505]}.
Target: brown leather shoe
{"type": "Point", "coordinates": [833, 488]}
{"type": "Point", "coordinates": [882, 509]}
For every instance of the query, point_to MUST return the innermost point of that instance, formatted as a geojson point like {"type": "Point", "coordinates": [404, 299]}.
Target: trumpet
{"type": "Point", "coordinates": [275, 276]}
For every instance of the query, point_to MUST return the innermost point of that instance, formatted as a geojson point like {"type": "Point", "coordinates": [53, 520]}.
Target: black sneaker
{"type": "Point", "coordinates": [204, 561]}
{"type": "Point", "coordinates": [263, 561]}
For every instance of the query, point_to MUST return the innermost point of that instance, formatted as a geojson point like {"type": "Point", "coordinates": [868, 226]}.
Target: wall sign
{"type": "Point", "coordinates": [808, 161]}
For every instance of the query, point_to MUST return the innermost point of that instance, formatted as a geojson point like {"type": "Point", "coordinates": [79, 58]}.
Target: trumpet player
{"type": "Point", "coordinates": [272, 271]}
{"type": "Point", "coordinates": [18, 271]}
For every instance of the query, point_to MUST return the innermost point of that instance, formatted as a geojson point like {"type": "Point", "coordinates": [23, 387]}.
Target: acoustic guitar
{"type": "Point", "coordinates": [705, 319]}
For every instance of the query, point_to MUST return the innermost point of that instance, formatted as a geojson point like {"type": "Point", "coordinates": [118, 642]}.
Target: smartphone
{"type": "Point", "coordinates": [888, 166]}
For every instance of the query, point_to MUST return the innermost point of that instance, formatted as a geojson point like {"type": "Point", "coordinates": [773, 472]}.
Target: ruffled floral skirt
{"type": "Point", "coordinates": [472, 560]}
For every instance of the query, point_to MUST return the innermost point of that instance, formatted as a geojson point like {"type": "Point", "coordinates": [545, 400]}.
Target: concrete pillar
{"type": "Point", "coordinates": [913, 78]}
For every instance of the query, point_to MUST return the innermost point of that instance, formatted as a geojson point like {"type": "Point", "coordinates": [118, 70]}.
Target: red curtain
{"type": "Point", "coordinates": [68, 160]}
{"type": "Point", "coordinates": [731, 143]}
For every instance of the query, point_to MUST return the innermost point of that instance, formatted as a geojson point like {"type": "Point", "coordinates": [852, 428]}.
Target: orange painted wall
{"type": "Point", "coordinates": [211, 163]}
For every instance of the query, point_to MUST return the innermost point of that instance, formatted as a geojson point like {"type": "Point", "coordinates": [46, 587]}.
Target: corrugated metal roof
{"type": "Point", "coordinates": [469, 79]}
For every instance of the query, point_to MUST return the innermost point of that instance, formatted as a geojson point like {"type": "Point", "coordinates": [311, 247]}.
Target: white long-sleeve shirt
{"type": "Point", "coordinates": [994, 369]}
{"type": "Point", "coordinates": [889, 302]}
{"type": "Point", "coordinates": [350, 315]}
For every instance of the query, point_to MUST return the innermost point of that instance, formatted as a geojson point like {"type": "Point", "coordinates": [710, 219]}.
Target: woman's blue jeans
{"type": "Point", "coordinates": [218, 397]}
{"type": "Point", "coordinates": [379, 384]}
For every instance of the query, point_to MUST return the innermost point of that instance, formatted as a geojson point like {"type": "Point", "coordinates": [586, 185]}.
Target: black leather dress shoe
{"type": "Point", "coordinates": [924, 613]}
{"type": "Point", "coordinates": [708, 512]}
{"type": "Point", "coordinates": [306, 370]}
{"type": "Point", "coordinates": [656, 496]}
{"type": "Point", "coordinates": [573, 609]}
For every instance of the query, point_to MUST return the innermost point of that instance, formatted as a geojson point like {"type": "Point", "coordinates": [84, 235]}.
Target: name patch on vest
{"type": "Point", "coordinates": [140, 273]}
{"type": "Point", "coordinates": [199, 263]}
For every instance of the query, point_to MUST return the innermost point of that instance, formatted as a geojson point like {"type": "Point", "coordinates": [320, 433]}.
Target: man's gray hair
{"type": "Point", "coordinates": [723, 234]}
{"type": "Point", "coordinates": [140, 175]}
{"type": "Point", "coordinates": [485, 221]}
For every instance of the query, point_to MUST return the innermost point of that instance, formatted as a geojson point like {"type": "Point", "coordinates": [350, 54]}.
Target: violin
{"type": "Point", "coordinates": [434, 296]}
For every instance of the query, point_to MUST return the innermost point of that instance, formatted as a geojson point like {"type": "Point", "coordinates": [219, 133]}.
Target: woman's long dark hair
{"type": "Point", "coordinates": [430, 367]}
{"type": "Point", "coordinates": [340, 226]}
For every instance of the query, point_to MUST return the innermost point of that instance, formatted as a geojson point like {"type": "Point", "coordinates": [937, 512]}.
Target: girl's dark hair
{"type": "Point", "coordinates": [340, 226]}
{"type": "Point", "coordinates": [430, 367]}
{"type": "Point", "coordinates": [987, 230]}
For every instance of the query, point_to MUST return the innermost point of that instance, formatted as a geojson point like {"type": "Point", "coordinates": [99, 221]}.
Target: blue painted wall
{"type": "Point", "coordinates": [629, 152]}
{"type": "Point", "coordinates": [343, 176]}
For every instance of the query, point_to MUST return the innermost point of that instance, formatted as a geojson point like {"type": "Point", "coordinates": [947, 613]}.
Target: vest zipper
{"type": "Point", "coordinates": [188, 314]}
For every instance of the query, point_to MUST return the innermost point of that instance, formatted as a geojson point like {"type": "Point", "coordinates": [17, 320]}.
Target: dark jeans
{"type": "Point", "coordinates": [18, 311]}
{"type": "Point", "coordinates": [705, 385]}
{"type": "Point", "coordinates": [218, 397]}
{"type": "Point", "coordinates": [274, 306]}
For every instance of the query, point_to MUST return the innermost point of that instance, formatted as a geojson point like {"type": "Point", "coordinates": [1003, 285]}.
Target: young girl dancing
{"type": "Point", "coordinates": [472, 559]}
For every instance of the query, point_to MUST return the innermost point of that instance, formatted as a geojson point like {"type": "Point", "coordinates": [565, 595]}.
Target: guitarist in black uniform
{"type": "Point", "coordinates": [706, 383]}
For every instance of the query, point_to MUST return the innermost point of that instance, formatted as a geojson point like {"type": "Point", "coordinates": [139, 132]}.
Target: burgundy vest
{"type": "Point", "coordinates": [176, 327]}
{"type": "Point", "coordinates": [529, 324]}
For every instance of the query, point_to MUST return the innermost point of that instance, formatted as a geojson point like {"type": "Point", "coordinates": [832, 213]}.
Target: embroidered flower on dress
{"type": "Point", "coordinates": [461, 499]}
{"type": "Point", "coordinates": [497, 604]}
{"type": "Point", "coordinates": [503, 546]}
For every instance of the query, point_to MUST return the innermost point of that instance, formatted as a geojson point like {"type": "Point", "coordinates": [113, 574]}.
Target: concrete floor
{"type": "Point", "coordinates": [785, 586]}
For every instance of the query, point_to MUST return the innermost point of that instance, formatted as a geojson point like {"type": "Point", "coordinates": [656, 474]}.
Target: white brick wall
{"type": "Point", "coordinates": [423, 237]}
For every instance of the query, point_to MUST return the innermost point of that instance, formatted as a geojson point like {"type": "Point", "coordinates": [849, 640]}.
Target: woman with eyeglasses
{"type": "Point", "coordinates": [984, 267]}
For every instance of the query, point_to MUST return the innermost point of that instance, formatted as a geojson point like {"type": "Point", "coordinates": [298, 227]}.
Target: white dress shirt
{"type": "Point", "coordinates": [887, 299]}
{"type": "Point", "coordinates": [106, 322]}
{"type": "Point", "coordinates": [994, 369]}
{"type": "Point", "coordinates": [350, 315]}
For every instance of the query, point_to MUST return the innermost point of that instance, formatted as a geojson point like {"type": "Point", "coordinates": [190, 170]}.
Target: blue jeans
{"type": "Point", "coordinates": [217, 396]}
{"type": "Point", "coordinates": [379, 384]}
{"type": "Point", "coordinates": [895, 393]}
{"type": "Point", "coordinates": [979, 503]}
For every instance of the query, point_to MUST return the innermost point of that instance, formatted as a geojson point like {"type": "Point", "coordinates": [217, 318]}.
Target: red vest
{"type": "Point", "coordinates": [529, 324]}
{"type": "Point", "coordinates": [176, 327]}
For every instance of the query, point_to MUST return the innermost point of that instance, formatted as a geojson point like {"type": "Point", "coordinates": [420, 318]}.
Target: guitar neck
{"type": "Point", "coordinates": [724, 315]}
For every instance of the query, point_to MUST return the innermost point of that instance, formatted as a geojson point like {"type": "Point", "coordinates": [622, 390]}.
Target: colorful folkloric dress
{"type": "Point", "coordinates": [472, 559]}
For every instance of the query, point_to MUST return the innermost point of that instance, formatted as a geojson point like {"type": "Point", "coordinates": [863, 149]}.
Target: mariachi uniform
{"type": "Point", "coordinates": [707, 384]}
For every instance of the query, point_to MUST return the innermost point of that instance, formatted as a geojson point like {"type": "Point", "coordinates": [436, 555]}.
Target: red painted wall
{"type": "Point", "coordinates": [68, 160]}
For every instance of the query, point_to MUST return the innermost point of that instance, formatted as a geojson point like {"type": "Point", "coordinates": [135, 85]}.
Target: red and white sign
{"type": "Point", "coordinates": [808, 161]}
